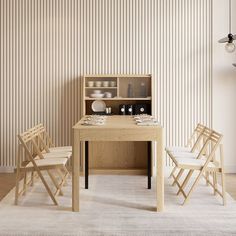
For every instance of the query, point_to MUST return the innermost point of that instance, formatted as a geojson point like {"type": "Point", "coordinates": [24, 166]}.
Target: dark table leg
{"type": "Point", "coordinates": [149, 164]}
{"type": "Point", "coordinates": [86, 163]}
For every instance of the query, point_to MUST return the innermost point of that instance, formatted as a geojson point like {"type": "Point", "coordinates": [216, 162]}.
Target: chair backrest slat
{"type": "Point", "coordinates": [195, 135]}
{"type": "Point", "coordinates": [30, 142]}
{"type": "Point", "coordinates": [213, 142]}
{"type": "Point", "coordinates": [199, 130]}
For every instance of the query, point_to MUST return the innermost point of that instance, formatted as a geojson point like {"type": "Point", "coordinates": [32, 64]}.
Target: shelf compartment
{"type": "Point", "coordinates": [114, 104]}
{"type": "Point", "coordinates": [136, 87]}
{"type": "Point", "coordinates": [95, 80]}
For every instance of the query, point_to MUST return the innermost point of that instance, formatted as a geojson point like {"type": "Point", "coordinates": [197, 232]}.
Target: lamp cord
{"type": "Point", "coordinates": [229, 16]}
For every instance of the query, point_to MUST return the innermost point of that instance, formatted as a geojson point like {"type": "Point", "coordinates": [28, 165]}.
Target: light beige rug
{"type": "Point", "coordinates": [118, 205]}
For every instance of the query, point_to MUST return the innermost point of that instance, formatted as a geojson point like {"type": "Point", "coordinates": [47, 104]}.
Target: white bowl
{"type": "Point", "coordinates": [112, 83]}
{"type": "Point", "coordinates": [97, 91]}
{"type": "Point", "coordinates": [108, 94]}
{"type": "Point", "coordinates": [98, 83]}
{"type": "Point", "coordinates": [97, 95]}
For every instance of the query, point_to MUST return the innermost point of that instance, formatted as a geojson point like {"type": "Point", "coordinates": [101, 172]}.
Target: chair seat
{"type": "Point", "coordinates": [57, 155]}
{"type": "Point", "coordinates": [61, 149]}
{"type": "Point", "coordinates": [189, 163]}
{"type": "Point", "coordinates": [48, 162]}
{"type": "Point", "coordinates": [178, 149]}
{"type": "Point", "coordinates": [189, 155]}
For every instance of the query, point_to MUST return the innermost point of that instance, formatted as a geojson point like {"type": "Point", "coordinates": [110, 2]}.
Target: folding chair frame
{"type": "Point", "coordinates": [41, 131]}
{"type": "Point", "coordinates": [24, 139]}
{"type": "Point", "coordinates": [216, 138]}
{"type": "Point", "coordinates": [199, 130]}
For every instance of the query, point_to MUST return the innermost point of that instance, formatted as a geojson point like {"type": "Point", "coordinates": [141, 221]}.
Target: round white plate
{"type": "Point", "coordinates": [98, 106]}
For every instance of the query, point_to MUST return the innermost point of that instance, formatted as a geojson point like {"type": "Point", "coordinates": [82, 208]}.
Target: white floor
{"type": "Point", "coordinates": [118, 205]}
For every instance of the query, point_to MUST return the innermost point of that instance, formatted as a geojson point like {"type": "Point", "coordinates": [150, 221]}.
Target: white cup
{"type": "Point", "coordinates": [105, 83]}
{"type": "Point", "coordinates": [112, 83]}
{"type": "Point", "coordinates": [90, 83]}
{"type": "Point", "coordinates": [98, 83]}
{"type": "Point", "coordinates": [108, 95]}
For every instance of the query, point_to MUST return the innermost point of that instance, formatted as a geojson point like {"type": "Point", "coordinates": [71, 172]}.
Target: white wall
{"type": "Point", "coordinates": [45, 47]}
{"type": "Point", "coordinates": [224, 82]}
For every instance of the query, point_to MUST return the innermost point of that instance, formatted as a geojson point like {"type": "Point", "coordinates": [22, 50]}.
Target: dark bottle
{"type": "Point", "coordinates": [130, 91]}
{"type": "Point", "coordinates": [143, 90]}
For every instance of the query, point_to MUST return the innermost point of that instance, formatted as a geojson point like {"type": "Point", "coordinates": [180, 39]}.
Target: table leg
{"type": "Point", "coordinates": [149, 164]}
{"type": "Point", "coordinates": [86, 164]}
{"type": "Point", "coordinates": [160, 173]}
{"type": "Point", "coordinates": [75, 170]}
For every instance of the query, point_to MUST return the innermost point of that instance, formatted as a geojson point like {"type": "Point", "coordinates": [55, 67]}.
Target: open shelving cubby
{"type": "Point", "coordinates": [117, 157]}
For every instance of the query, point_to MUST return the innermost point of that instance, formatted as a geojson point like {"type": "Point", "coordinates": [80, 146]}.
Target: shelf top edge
{"type": "Point", "coordinates": [88, 98]}
{"type": "Point", "coordinates": [117, 75]}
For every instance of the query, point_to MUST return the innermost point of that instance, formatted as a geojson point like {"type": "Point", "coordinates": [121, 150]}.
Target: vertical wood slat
{"type": "Point", "coordinates": [46, 46]}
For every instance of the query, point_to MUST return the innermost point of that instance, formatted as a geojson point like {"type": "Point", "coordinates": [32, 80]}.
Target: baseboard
{"type": "Point", "coordinates": [230, 169]}
{"type": "Point", "coordinates": [6, 169]}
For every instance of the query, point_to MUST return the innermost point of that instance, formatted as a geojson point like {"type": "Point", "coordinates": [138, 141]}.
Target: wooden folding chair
{"type": "Point", "coordinates": [35, 162]}
{"type": "Point", "coordinates": [204, 163]}
{"type": "Point", "coordinates": [39, 132]}
{"type": "Point", "coordinates": [192, 146]}
{"type": "Point", "coordinates": [201, 141]}
{"type": "Point", "coordinates": [63, 152]}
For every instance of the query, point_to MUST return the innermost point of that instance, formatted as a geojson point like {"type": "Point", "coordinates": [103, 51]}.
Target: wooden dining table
{"type": "Point", "coordinates": [117, 128]}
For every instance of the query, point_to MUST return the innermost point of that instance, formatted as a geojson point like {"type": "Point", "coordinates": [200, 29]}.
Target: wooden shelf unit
{"type": "Point", "coordinates": [116, 157]}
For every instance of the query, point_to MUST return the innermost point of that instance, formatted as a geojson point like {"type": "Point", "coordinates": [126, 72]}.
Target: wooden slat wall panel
{"type": "Point", "coordinates": [46, 46]}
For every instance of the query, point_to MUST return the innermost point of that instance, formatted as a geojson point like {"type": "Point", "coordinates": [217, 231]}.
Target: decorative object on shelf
{"type": "Point", "coordinates": [108, 95]}
{"type": "Point", "coordinates": [143, 90]}
{"type": "Point", "coordinates": [130, 92]}
{"type": "Point", "coordinates": [129, 109]}
{"type": "Point", "coordinates": [108, 110]}
{"type": "Point", "coordinates": [90, 83]}
{"type": "Point", "coordinates": [140, 109]}
{"type": "Point", "coordinates": [112, 83]}
{"type": "Point", "coordinates": [98, 106]}
{"type": "Point", "coordinates": [98, 83]}
{"type": "Point", "coordinates": [105, 83]}
{"type": "Point", "coordinates": [97, 94]}
{"type": "Point", "coordinates": [229, 46]}
{"type": "Point", "coordinates": [122, 109]}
